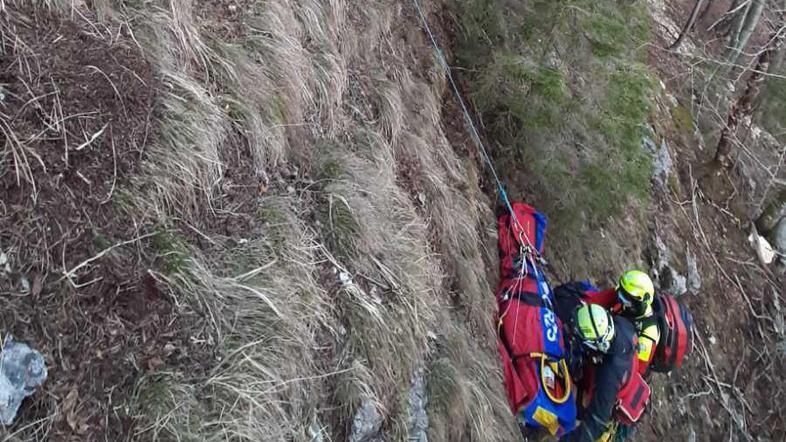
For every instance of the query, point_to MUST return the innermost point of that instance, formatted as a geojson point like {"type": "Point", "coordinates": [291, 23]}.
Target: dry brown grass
{"type": "Point", "coordinates": [360, 256]}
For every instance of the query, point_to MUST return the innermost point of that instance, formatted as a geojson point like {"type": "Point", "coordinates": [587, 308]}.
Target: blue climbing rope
{"type": "Point", "coordinates": [470, 122]}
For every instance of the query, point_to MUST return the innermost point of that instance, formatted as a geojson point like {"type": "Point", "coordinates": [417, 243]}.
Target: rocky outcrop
{"type": "Point", "coordinates": [667, 278]}
{"type": "Point", "coordinates": [367, 424]}
{"type": "Point", "coordinates": [662, 165]}
{"type": "Point", "coordinates": [778, 237]}
{"type": "Point", "coordinates": [417, 402]}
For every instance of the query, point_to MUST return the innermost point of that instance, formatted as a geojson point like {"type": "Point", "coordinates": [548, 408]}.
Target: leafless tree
{"type": "Point", "coordinates": [704, 11]}
{"type": "Point", "coordinates": [746, 24]}
{"type": "Point", "coordinates": [746, 103]}
{"type": "Point", "coordinates": [689, 24]}
{"type": "Point", "coordinates": [736, 10]}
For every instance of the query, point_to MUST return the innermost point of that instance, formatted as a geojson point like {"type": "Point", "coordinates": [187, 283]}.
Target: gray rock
{"type": "Point", "coordinates": [666, 277]}
{"type": "Point", "coordinates": [5, 266]}
{"type": "Point", "coordinates": [25, 283]}
{"type": "Point", "coordinates": [649, 145]}
{"type": "Point", "coordinates": [662, 165]}
{"type": "Point", "coordinates": [367, 424]}
{"type": "Point", "coordinates": [672, 282]}
{"type": "Point", "coordinates": [770, 217]}
{"type": "Point", "coordinates": [417, 402]}
{"type": "Point", "coordinates": [694, 280]}
{"type": "Point", "coordinates": [778, 237]}
{"type": "Point", "coordinates": [663, 252]}
{"type": "Point", "coordinates": [22, 370]}
{"type": "Point", "coordinates": [315, 432]}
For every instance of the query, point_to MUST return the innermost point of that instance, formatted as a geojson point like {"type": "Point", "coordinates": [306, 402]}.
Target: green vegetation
{"type": "Point", "coordinates": [683, 120]}
{"type": "Point", "coordinates": [158, 393]}
{"type": "Point", "coordinates": [565, 98]}
{"type": "Point", "coordinates": [172, 250]}
{"type": "Point", "coordinates": [340, 226]}
{"type": "Point", "coordinates": [100, 240]}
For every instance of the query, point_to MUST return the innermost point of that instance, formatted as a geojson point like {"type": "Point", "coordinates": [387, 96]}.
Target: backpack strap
{"type": "Point", "coordinates": [528, 298]}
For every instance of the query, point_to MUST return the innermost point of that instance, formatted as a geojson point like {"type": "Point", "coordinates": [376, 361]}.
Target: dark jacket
{"type": "Point", "coordinates": [614, 369]}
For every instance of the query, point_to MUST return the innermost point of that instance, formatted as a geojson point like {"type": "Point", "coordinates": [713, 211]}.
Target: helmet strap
{"type": "Point", "coordinates": [594, 327]}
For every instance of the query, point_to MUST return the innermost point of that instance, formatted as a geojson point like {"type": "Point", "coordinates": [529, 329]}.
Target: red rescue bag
{"type": "Point", "coordinates": [632, 400]}
{"type": "Point", "coordinates": [676, 333]}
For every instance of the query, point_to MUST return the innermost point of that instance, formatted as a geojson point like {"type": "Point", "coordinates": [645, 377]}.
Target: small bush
{"type": "Point", "coordinates": [172, 251]}
{"type": "Point", "coordinates": [683, 120]}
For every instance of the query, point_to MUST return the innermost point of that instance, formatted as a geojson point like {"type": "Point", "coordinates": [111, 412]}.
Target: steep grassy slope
{"type": "Point", "coordinates": [314, 243]}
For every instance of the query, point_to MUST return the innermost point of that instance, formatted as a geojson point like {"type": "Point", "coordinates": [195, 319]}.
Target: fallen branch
{"type": "Point", "coordinates": [114, 167]}
{"type": "Point", "coordinates": [92, 138]}
{"type": "Point", "coordinates": [71, 273]}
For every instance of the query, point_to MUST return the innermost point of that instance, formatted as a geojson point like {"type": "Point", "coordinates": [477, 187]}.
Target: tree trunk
{"type": "Point", "coordinates": [777, 59]}
{"type": "Point", "coordinates": [746, 103]}
{"type": "Point", "coordinates": [748, 25]}
{"type": "Point", "coordinates": [688, 25]}
{"type": "Point", "coordinates": [703, 13]}
{"type": "Point", "coordinates": [728, 20]}
{"type": "Point", "coordinates": [737, 21]}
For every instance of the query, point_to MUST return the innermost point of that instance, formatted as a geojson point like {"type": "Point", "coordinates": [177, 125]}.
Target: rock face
{"type": "Point", "coordinates": [770, 216]}
{"type": "Point", "coordinates": [417, 402]}
{"type": "Point", "coordinates": [661, 165]}
{"type": "Point", "coordinates": [666, 277]}
{"type": "Point", "coordinates": [694, 280]}
{"type": "Point", "coordinates": [367, 425]}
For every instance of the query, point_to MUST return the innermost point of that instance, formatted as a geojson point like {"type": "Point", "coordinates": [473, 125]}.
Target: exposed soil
{"type": "Point", "coordinates": [225, 19]}
{"type": "Point", "coordinates": [107, 321]}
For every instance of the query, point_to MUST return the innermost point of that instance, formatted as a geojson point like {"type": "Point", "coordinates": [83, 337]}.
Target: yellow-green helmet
{"type": "Point", "coordinates": [595, 327]}
{"type": "Point", "coordinates": [636, 287]}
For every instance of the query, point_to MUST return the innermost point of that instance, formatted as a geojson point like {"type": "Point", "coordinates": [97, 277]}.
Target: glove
{"type": "Point", "coordinates": [575, 357]}
{"type": "Point", "coordinates": [623, 432]}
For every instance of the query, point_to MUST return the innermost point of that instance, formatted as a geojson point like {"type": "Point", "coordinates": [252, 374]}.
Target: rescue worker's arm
{"type": "Point", "coordinates": [616, 367]}
{"type": "Point", "coordinates": [598, 415]}
{"type": "Point", "coordinates": [604, 298]}
{"type": "Point", "coordinates": [648, 341]}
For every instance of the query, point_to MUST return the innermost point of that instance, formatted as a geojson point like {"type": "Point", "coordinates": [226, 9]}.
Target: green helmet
{"type": "Point", "coordinates": [595, 327]}
{"type": "Point", "coordinates": [635, 290]}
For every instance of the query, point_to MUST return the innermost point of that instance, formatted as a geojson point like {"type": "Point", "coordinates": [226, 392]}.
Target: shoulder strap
{"type": "Point", "coordinates": [650, 330]}
{"type": "Point", "coordinates": [526, 297]}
